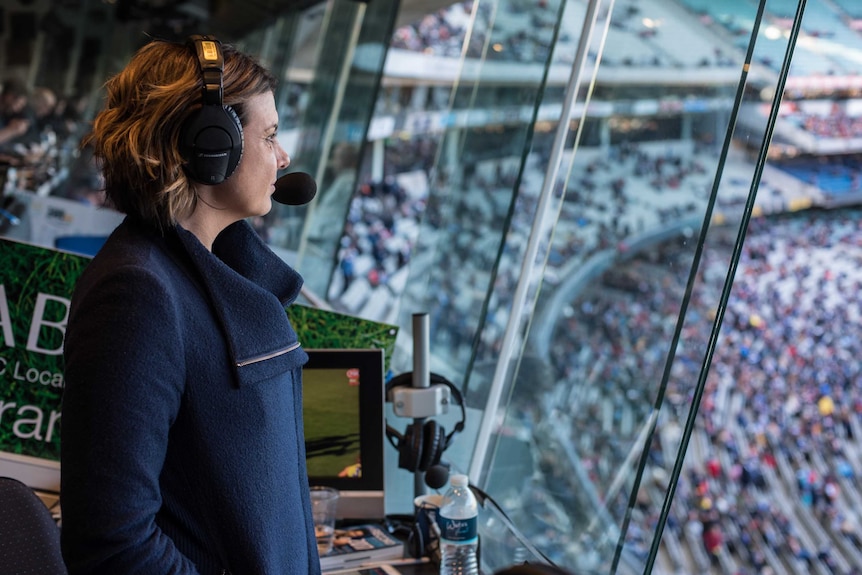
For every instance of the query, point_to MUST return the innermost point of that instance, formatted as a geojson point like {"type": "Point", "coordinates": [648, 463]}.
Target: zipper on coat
{"type": "Point", "coordinates": [267, 356]}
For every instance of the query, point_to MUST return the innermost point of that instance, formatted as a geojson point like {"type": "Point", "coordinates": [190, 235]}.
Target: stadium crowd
{"type": "Point", "coordinates": [770, 475]}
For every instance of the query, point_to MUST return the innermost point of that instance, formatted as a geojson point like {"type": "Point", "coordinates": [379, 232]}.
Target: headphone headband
{"type": "Point", "coordinates": [211, 61]}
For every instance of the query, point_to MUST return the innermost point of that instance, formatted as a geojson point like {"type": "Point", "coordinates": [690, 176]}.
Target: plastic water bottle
{"type": "Point", "coordinates": [459, 539]}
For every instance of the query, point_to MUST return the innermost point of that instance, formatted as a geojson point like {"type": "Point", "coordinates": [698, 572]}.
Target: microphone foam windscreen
{"type": "Point", "coordinates": [295, 189]}
{"type": "Point", "coordinates": [437, 476]}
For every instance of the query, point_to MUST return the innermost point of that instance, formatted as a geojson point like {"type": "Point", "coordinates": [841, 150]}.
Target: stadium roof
{"type": "Point", "coordinates": [238, 17]}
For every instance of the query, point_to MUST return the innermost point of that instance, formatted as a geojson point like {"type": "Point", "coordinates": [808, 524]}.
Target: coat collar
{"type": "Point", "coordinates": [241, 276]}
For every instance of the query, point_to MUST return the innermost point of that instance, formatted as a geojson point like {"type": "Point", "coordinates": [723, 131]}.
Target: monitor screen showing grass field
{"type": "Point", "coordinates": [343, 395]}
{"type": "Point", "coordinates": [331, 411]}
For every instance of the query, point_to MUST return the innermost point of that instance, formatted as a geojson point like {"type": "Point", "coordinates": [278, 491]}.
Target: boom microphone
{"type": "Point", "coordinates": [294, 189]}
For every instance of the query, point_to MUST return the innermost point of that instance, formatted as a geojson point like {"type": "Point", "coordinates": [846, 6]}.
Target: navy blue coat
{"type": "Point", "coordinates": [182, 446]}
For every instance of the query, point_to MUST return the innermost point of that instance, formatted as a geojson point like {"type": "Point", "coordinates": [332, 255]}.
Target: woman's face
{"type": "Point", "coordinates": [247, 192]}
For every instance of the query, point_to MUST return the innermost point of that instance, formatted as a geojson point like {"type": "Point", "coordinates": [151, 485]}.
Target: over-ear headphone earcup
{"type": "Point", "coordinates": [410, 448]}
{"type": "Point", "coordinates": [211, 144]}
{"type": "Point", "coordinates": [434, 436]}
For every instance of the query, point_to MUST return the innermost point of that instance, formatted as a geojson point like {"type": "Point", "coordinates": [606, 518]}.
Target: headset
{"type": "Point", "coordinates": [421, 445]}
{"type": "Point", "coordinates": [211, 138]}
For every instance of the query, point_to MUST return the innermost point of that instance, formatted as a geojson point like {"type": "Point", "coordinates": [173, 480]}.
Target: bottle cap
{"type": "Point", "coordinates": [459, 480]}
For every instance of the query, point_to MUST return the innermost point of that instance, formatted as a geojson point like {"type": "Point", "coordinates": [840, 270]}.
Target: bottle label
{"type": "Point", "coordinates": [458, 530]}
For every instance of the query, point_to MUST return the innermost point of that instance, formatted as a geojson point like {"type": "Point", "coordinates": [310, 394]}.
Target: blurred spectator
{"type": "Point", "coordinates": [16, 118]}
{"type": "Point", "coordinates": [44, 104]}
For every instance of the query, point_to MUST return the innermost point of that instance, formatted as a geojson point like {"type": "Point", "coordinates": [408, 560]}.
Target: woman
{"type": "Point", "coordinates": [182, 440]}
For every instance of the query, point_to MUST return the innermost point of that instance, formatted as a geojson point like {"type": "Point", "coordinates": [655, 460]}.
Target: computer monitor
{"type": "Point", "coordinates": [343, 396]}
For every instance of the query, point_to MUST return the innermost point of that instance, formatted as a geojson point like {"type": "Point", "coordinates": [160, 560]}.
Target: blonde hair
{"type": "Point", "coordinates": [135, 137]}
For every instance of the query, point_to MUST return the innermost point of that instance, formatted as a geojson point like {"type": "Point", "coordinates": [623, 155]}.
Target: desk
{"type": "Point", "coordinates": [405, 569]}
{"type": "Point", "coordinates": [421, 569]}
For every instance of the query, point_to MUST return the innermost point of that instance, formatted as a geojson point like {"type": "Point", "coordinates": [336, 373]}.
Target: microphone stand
{"type": "Point", "coordinates": [421, 380]}
{"type": "Point", "coordinates": [421, 400]}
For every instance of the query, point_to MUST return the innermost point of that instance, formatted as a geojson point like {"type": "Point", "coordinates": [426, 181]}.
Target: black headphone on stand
{"type": "Point", "coordinates": [421, 445]}
{"type": "Point", "coordinates": [211, 138]}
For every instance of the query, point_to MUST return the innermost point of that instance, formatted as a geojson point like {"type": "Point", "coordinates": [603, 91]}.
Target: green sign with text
{"type": "Point", "coordinates": [36, 284]}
